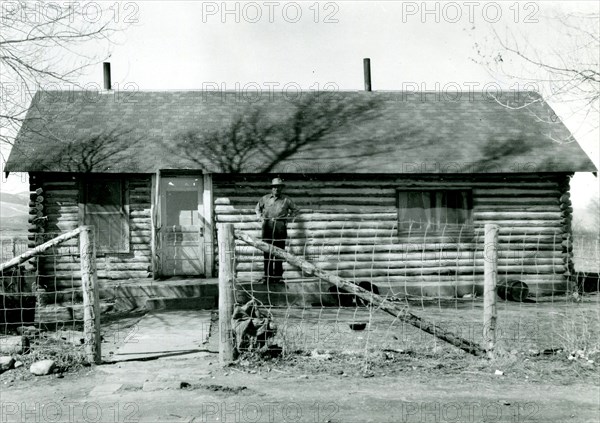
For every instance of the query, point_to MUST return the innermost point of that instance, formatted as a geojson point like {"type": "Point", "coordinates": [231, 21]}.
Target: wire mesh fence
{"type": "Point", "coordinates": [42, 308]}
{"type": "Point", "coordinates": [437, 275]}
{"type": "Point", "coordinates": [12, 245]}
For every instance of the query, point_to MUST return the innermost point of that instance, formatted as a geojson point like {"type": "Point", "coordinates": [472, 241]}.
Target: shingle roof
{"type": "Point", "coordinates": [398, 132]}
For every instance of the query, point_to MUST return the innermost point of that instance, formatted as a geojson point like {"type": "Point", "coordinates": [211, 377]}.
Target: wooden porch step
{"type": "Point", "coordinates": [161, 294]}
{"type": "Point", "coordinates": [189, 303]}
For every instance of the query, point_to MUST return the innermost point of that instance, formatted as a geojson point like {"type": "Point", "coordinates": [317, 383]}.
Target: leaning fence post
{"type": "Point", "coordinates": [490, 273]}
{"type": "Point", "coordinates": [226, 255]}
{"type": "Point", "coordinates": [91, 296]}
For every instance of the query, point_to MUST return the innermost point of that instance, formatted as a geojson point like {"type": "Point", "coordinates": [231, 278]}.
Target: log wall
{"type": "Point", "coordinates": [350, 226]}
{"type": "Point", "coordinates": [60, 212]}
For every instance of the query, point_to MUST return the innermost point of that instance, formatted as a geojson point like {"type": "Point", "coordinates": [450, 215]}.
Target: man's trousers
{"type": "Point", "coordinates": [274, 232]}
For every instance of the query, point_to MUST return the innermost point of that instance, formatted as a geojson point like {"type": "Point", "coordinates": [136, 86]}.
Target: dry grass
{"type": "Point", "coordinates": [533, 339]}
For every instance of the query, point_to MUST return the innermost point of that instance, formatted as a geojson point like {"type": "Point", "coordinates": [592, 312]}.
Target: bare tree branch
{"type": "Point", "coordinates": [46, 46]}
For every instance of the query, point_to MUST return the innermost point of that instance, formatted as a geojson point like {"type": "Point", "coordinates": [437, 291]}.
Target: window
{"type": "Point", "coordinates": [106, 208]}
{"type": "Point", "coordinates": [434, 210]}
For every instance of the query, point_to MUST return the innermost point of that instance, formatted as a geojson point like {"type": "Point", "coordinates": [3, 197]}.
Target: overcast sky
{"type": "Point", "coordinates": [271, 45]}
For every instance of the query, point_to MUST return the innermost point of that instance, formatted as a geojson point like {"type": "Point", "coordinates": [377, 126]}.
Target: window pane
{"type": "Point", "coordinates": [104, 209]}
{"type": "Point", "coordinates": [109, 231]}
{"type": "Point", "coordinates": [435, 210]}
{"type": "Point", "coordinates": [452, 207]}
{"type": "Point", "coordinates": [182, 208]}
{"type": "Point", "coordinates": [415, 209]}
{"type": "Point", "coordinates": [104, 193]}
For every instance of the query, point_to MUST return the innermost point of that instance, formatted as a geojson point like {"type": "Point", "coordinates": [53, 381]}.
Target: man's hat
{"type": "Point", "coordinates": [277, 182]}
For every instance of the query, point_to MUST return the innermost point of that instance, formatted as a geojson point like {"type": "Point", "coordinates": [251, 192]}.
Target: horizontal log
{"type": "Point", "coordinates": [392, 182]}
{"type": "Point", "coordinates": [420, 242]}
{"type": "Point", "coordinates": [134, 239]}
{"type": "Point", "coordinates": [142, 221]}
{"type": "Point", "coordinates": [311, 225]}
{"type": "Point", "coordinates": [56, 185]}
{"type": "Point", "coordinates": [60, 209]}
{"type": "Point", "coordinates": [246, 254]}
{"type": "Point", "coordinates": [339, 233]}
{"type": "Point", "coordinates": [140, 213]}
{"type": "Point", "coordinates": [315, 217]}
{"type": "Point", "coordinates": [141, 232]}
{"type": "Point", "coordinates": [516, 215]}
{"type": "Point", "coordinates": [413, 267]}
{"type": "Point", "coordinates": [502, 208]}
{"type": "Point", "coordinates": [320, 208]}
{"type": "Point", "coordinates": [390, 234]}
{"type": "Point", "coordinates": [102, 274]}
{"type": "Point", "coordinates": [64, 191]}
{"type": "Point", "coordinates": [57, 205]}
{"type": "Point", "coordinates": [398, 282]}
{"type": "Point", "coordinates": [102, 261]}
{"type": "Point", "coordinates": [556, 223]}
{"type": "Point", "coordinates": [524, 231]}
{"type": "Point", "coordinates": [417, 271]}
{"type": "Point", "coordinates": [101, 265]}
{"type": "Point", "coordinates": [389, 201]}
{"type": "Point", "coordinates": [117, 275]}
{"type": "Point", "coordinates": [141, 247]}
{"type": "Point", "coordinates": [249, 195]}
{"type": "Point", "coordinates": [501, 201]}
{"type": "Point", "coordinates": [517, 192]}
{"type": "Point", "coordinates": [334, 245]}
{"type": "Point", "coordinates": [140, 227]}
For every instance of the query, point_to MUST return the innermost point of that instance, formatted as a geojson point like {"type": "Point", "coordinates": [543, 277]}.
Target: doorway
{"type": "Point", "coordinates": [181, 231]}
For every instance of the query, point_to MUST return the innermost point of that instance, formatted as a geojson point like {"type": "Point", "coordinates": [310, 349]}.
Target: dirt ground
{"type": "Point", "coordinates": [196, 389]}
{"type": "Point", "coordinates": [376, 384]}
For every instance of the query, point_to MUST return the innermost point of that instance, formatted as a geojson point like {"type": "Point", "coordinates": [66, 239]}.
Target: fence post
{"type": "Point", "coordinates": [226, 274]}
{"type": "Point", "coordinates": [91, 295]}
{"type": "Point", "coordinates": [13, 242]}
{"type": "Point", "coordinates": [490, 273]}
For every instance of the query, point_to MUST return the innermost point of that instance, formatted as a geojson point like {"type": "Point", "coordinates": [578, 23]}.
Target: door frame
{"type": "Point", "coordinates": [205, 211]}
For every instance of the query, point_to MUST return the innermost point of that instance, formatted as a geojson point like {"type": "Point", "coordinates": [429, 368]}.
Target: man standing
{"type": "Point", "coordinates": [274, 210]}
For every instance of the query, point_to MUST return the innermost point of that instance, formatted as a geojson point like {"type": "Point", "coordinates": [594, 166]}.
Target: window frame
{"type": "Point", "coordinates": [124, 211]}
{"type": "Point", "coordinates": [437, 228]}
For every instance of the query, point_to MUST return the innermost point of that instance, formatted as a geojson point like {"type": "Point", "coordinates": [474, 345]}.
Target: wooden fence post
{"type": "Point", "coordinates": [226, 275]}
{"type": "Point", "coordinates": [91, 295]}
{"type": "Point", "coordinates": [13, 242]}
{"type": "Point", "coordinates": [490, 274]}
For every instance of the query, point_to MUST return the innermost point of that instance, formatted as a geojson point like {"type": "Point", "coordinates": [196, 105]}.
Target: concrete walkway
{"type": "Point", "coordinates": [166, 333]}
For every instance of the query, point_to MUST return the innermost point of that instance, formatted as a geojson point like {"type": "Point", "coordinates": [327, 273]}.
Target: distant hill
{"type": "Point", "coordinates": [14, 211]}
{"type": "Point", "coordinates": [21, 198]}
{"type": "Point", "coordinates": [584, 221]}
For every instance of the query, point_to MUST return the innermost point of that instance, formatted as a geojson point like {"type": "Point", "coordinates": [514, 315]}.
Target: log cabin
{"type": "Point", "coordinates": [394, 187]}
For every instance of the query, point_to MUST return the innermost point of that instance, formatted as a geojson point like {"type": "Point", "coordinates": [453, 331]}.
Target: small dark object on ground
{"type": "Point", "coordinates": [347, 299]}
{"type": "Point", "coordinates": [358, 326]}
{"type": "Point", "coordinates": [551, 351]}
{"type": "Point", "coordinates": [272, 351]}
{"type": "Point", "coordinates": [512, 290]}
{"type": "Point", "coordinates": [226, 389]}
